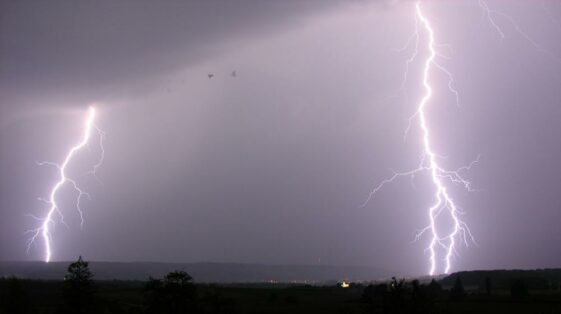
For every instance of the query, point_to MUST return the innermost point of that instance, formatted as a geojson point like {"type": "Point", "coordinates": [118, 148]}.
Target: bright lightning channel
{"type": "Point", "coordinates": [443, 199]}
{"type": "Point", "coordinates": [44, 230]}
{"type": "Point", "coordinates": [440, 240]}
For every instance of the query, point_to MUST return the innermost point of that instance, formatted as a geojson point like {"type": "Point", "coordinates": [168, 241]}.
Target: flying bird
{"type": "Point", "coordinates": [210, 75]}
{"type": "Point", "coordinates": [234, 74]}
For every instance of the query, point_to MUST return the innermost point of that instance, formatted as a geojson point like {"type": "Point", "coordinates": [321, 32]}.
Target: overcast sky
{"type": "Point", "coordinates": [272, 165]}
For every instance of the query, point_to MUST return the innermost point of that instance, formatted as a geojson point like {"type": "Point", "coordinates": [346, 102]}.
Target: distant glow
{"type": "Point", "coordinates": [447, 240]}
{"type": "Point", "coordinates": [44, 230]}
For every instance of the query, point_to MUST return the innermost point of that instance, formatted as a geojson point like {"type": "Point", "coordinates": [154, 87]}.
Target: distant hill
{"type": "Point", "coordinates": [503, 279]}
{"type": "Point", "coordinates": [201, 272]}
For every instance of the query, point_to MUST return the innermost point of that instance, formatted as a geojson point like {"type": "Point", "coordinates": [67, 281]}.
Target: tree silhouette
{"type": "Point", "coordinates": [394, 301]}
{"type": "Point", "coordinates": [457, 291]}
{"type": "Point", "coordinates": [434, 289]}
{"type": "Point", "coordinates": [176, 293]}
{"type": "Point", "coordinates": [488, 286]}
{"type": "Point", "coordinates": [78, 288]}
{"type": "Point", "coordinates": [421, 299]}
{"type": "Point", "coordinates": [518, 290]}
{"type": "Point", "coordinates": [373, 292]}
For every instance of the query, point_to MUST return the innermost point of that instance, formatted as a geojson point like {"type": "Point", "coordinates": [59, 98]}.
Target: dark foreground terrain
{"type": "Point", "coordinates": [467, 292]}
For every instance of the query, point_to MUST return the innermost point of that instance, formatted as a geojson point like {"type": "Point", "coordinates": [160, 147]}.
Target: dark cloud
{"type": "Point", "coordinates": [86, 45]}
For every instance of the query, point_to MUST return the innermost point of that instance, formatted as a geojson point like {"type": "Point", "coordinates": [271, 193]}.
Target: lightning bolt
{"type": "Point", "coordinates": [443, 200]}
{"type": "Point", "coordinates": [442, 240]}
{"type": "Point", "coordinates": [490, 13]}
{"type": "Point", "coordinates": [46, 222]}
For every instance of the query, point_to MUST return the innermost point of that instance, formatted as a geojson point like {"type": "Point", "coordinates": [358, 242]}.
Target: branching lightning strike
{"type": "Point", "coordinates": [444, 203]}
{"type": "Point", "coordinates": [46, 222]}
{"type": "Point", "coordinates": [490, 13]}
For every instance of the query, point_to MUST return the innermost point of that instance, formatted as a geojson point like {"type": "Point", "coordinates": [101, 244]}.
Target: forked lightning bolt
{"type": "Point", "coordinates": [44, 230]}
{"type": "Point", "coordinates": [444, 201]}
{"type": "Point", "coordinates": [441, 240]}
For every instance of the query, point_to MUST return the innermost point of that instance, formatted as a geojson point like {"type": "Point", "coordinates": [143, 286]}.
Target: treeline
{"type": "Point", "coordinates": [176, 292]}
{"type": "Point", "coordinates": [539, 279]}
{"type": "Point", "coordinates": [399, 296]}
{"type": "Point", "coordinates": [78, 293]}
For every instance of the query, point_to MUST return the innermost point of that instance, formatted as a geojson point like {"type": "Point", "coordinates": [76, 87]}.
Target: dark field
{"type": "Point", "coordinates": [25, 296]}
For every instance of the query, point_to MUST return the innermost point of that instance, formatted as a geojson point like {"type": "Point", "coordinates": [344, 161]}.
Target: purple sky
{"type": "Point", "coordinates": [272, 166]}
